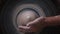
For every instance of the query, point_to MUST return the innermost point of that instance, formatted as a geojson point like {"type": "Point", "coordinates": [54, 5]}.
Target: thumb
{"type": "Point", "coordinates": [34, 22]}
{"type": "Point", "coordinates": [23, 27]}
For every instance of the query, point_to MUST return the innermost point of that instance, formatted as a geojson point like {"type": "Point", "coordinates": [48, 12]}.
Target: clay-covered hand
{"type": "Point", "coordinates": [34, 26]}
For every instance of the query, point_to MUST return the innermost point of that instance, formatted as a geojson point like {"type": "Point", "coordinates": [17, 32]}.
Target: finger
{"type": "Point", "coordinates": [36, 21]}
{"type": "Point", "coordinates": [24, 29]}
{"type": "Point", "coordinates": [33, 22]}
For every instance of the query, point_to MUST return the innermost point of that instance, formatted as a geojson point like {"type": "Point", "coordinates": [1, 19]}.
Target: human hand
{"type": "Point", "coordinates": [33, 26]}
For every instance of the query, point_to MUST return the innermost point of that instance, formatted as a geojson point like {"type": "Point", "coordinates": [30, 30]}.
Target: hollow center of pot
{"type": "Point", "coordinates": [26, 16]}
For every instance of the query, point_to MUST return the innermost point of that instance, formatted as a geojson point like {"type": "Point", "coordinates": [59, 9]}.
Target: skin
{"type": "Point", "coordinates": [39, 23]}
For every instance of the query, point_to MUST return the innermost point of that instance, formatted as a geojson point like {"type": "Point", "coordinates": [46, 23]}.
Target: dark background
{"type": "Point", "coordinates": [56, 2]}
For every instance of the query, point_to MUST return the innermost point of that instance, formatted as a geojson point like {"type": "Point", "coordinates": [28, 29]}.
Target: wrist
{"type": "Point", "coordinates": [52, 21]}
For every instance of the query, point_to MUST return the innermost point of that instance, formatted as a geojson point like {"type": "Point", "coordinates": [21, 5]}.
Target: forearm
{"type": "Point", "coordinates": [53, 21]}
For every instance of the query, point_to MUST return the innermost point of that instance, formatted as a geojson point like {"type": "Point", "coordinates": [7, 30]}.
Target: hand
{"type": "Point", "coordinates": [34, 26]}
